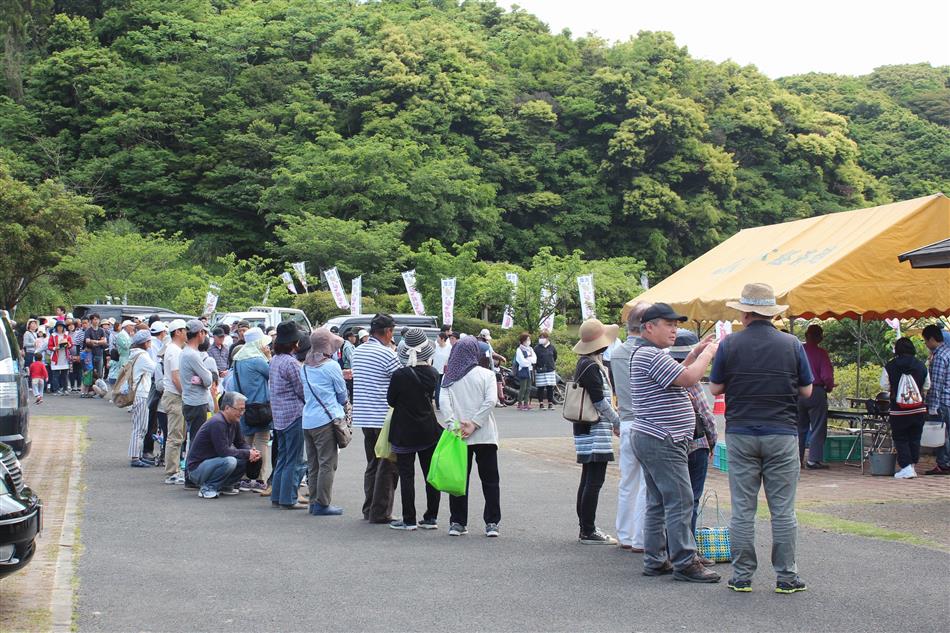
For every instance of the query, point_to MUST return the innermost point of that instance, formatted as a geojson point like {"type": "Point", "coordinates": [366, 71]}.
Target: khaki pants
{"type": "Point", "coordinates": [171, 402]}
{"type": "Point", "coordinates": [259, 441]}
{"type": "Point", "coordinates": [322, 458]}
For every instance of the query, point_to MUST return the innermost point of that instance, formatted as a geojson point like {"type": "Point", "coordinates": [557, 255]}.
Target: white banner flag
{"type": "Point", "coordinates": [289, 281]}
{"type": "Point", "coordinates": [585, 286]}
{"type": "Point", "coordinates": [356, 296]}
{"type": "Point", "coordinates": [508, 319]}
{"type": "Point", "coordinates": [548, 304]}
{"type": "Point", "coordinates": [336, 288]}
{"type": "Point", "coordinates": [211, 301]}
{"type": "Point", "coordinates": [448, 300]}
{"type": "Point", "coordinates": [301, 269]}
{"type": "Point", "coordinates": [409, 278]}
{"type": "Point", "coordinates": [895, 325]}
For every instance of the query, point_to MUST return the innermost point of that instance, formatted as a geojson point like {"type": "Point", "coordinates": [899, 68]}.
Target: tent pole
{"type": "Point", "coordinates": [857, 381]}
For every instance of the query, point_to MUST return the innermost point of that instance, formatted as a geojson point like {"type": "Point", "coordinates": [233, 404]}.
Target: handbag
{"type": "Point", "coordinates": [934, 434]}
{"type": "Point", "coordinates": [578, 407]}
{"type": "Point", "coordinates": [342, 427]}
{"type": "Point", "coordinates": [384, 448]}
{"type": "Point", "coordinates": [448, 469]}
{"type": "Point", "coordinates": [256, 414]}
{"type": "Point", "coordinates": [713, 542]}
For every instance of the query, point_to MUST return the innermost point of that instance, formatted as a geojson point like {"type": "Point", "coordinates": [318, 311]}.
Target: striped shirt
{"type": "Point", "coordinates": [373, 366]}
{"type": "Point", "coordinates": [662, 409]}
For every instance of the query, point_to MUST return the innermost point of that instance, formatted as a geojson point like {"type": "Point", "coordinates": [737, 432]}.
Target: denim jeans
{"type": "Point", "coordinates": [813, 424]}
{"type": "Point", "coordinates": [943, 453]}
{"type": "Point", "coordinates": [698, 465]}
{"type": "Point", "coordinates": [218, 472]}
{"type": "Point", "coordinates": [286, 476]}
{"type": "Point", "coordinates": [669, 502]}
{"type": "Point", "coordinates": [769, 461]}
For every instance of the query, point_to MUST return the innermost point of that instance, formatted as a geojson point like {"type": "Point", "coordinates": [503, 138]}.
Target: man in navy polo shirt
{"type": "Point", "coordinates": [763, 372]}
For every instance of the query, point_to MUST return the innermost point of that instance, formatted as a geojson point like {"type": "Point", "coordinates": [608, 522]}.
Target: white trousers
{"type": "Point", "coordinates": [632, 492]}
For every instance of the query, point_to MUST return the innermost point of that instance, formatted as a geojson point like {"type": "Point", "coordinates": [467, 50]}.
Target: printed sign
{"type": "Point", "coordinates": [356, 296]}
{"type": "Point", "coordinates": [409, 278]}
{"type": "Point", "coordinates": [448, 300]}
{"type": "Point", "coordinates": [211, 301]}
{"type": "Point", "coordinates": [336, 288]}
{"type": "Point", "coordinates": [285, 276]}
{"type": "Point", "coordinates": [585, 287]}
{"type": "Point", "coordinates": [548, 304]}
{"type": "Point", "coordinates": [508, 319]}
{"type": "Point", "coordinates": [301, 269]}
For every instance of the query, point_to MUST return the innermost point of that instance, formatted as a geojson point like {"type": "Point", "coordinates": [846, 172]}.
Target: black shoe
{"type": "Point", "coordinates": [191, 486]}
{"type": "Point", "coordinates": [742, 586]}
{"type": "Point", "coordinates": [816, 466]}
{"type": "Point", "coordinates": [665, 570]}
{"type": "Point", "coordinates": [695, 572]}
{"type": "Point", "coordinates": [792, 586]}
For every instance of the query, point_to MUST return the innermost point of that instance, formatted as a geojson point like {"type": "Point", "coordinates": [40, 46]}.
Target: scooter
{"type": "Point", "coordinates": [512, 384]}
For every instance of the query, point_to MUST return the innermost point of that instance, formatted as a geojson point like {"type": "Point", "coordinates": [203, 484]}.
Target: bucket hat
{"type": "Point", "coordinates": [595, 336]}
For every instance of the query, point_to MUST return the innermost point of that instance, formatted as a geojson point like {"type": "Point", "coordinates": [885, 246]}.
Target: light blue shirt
{"type": "Point", "coordinates": [326, 383]}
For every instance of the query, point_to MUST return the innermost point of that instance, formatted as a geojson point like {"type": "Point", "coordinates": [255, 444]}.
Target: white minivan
{"type": "Point", "coordinates": [265, 317]}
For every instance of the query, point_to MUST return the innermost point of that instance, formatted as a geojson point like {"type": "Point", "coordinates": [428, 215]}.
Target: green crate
{"type": "Point", "coordinates": [837, 448]}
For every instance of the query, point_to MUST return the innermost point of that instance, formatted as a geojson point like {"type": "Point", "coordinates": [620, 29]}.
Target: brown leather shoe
{"type": "Point", "coordinates": [705, 562]}
{"type": "Point", "coordinates": [636, 550]}
{"type": "Point", "coordinates": [695, 572]}
{"type": "Point", "coordinates": [666, 569]}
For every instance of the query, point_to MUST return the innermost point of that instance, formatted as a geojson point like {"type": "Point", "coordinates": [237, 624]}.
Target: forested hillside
{"type": "Point", "coordinates": [331, 130]}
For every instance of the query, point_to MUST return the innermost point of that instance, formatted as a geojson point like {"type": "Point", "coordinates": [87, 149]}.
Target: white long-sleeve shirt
{"type": "Point", "coordinates": [473, 398]}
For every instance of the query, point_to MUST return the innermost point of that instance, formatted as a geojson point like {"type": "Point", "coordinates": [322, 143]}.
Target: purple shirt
{"type": "Point", "coordinates": [821, 369]}
{"type": "Point", "coordinates": [286, 390]}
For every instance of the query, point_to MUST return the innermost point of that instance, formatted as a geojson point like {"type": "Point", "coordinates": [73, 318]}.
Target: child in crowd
{"type": "Point", "coordinates": [39, 376]}
{"type": "Point", "coordinates": [85, 358]}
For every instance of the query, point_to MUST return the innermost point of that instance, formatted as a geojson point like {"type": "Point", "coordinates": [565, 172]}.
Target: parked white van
{"type": "Point", "coordinates": [265, 317]}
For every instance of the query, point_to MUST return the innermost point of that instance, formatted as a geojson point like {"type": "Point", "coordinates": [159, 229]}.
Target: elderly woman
{"type": "Point", "coordinates": [143, 367]}
{"type": "Point", "coordinates": [414, 429]}
{"type": "Point", "coordinates": [286, 401]}
{"type": "Point", "coordinates": [325, 394]}
{"type": "Point", "coordinates": [469, 396]}
{"type": "Point", "coordinates": [592, 442]}
{"type": "Point", "coordinates": [251, 374]}
{"type": "Point", "coordinates": [907, 424]}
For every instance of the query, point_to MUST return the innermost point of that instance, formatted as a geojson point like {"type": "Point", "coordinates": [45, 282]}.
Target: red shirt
{"type": "Point", "coordinates": [38, 370]}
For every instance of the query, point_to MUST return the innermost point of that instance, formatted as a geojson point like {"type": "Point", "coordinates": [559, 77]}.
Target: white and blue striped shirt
{"type": "Point", "coordinates": [661, 408]}
{"type": "Point", "coordinates": [373, 366]}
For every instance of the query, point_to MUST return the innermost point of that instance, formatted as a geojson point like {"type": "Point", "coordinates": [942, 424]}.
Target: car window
{"type": "Point", "coordinates": [287, 316]}
{"type": "Point", "coordinates": [300, 320]}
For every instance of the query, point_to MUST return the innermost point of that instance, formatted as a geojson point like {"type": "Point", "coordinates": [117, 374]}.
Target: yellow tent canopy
{"type": "Point", "coordinates": [835, 265]}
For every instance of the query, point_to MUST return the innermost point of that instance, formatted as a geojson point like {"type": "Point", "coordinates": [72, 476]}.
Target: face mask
{"type": "Point", "coordinates": [543, 341]}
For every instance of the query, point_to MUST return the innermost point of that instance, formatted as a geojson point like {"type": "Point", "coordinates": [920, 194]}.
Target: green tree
{"type": "Point", "coordinates": [40, 226]}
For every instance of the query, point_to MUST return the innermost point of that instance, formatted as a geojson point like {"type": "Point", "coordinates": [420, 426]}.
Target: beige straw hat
{"type": "Point", "coordinates": [758, 298]}
{"type": "Point", "coordinates": [594, 336]}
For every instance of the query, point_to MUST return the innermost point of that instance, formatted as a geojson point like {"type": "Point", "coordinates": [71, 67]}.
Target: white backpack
{"type": "Point", "coordinates": [908, 394]}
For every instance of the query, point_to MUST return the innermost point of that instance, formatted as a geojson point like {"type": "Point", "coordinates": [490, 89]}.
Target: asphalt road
{"type": "Point", "coordinates": [157, 557]}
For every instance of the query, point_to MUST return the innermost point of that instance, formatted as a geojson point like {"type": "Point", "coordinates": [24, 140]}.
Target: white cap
{"type": "Point", "coordinates": [177, 324]}
{"type": "Point", "coordinates": [127, 323]}
{"type": "Point", "coordinates": [485, 334]}
{"type": "Point", "coordinates": [157, 327]}
{"type": "Point", "coordinates": [361, 334]}
{"type": "Point", "coordinates": [254, 334]}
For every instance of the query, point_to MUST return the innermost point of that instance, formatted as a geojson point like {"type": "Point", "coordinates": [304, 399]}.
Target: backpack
{"type": "Point", "coordinates": [123, 392]}
{"type": "Point", "coordinates": [908, 394]}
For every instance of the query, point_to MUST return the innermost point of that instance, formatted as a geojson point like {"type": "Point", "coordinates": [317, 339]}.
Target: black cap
{"type": "Point", "coordinates": [661, 311]}
{"type": "Point", "coordinates": [217, 331]}
{"type": "Point", "coordinates": [381, 322]}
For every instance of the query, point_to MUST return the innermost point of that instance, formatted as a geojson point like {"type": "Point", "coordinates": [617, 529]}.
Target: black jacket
{"type": "Point", "coordinates": [546, 358]}
{"type": "Point", "coordinates": [410, 394]}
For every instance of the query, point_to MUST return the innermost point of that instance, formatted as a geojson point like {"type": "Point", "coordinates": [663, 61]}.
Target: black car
{"type": "Point", "coordinates": [21, 518]}
{"type": "Point", "coordinates": [14, 392]}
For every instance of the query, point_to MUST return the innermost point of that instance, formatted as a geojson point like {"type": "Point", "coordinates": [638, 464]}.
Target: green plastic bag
{"type": "Point", "coordinates": [384, 448]}
{"type": "Point", "coordinates": [448, 470]}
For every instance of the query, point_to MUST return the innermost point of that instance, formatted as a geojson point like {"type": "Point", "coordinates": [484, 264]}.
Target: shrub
{"type": "Point", "coordinates": [846, 383]}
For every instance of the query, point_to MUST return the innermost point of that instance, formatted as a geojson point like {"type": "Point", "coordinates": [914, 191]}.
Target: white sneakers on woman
{"type": "Point", "coordinates": [907, 472]}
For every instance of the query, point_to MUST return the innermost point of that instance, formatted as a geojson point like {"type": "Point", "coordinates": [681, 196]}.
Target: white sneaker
{"type": "Point", "coordinates": [177, 479]}
{"type": "Point", "coordinates": [907, 472]}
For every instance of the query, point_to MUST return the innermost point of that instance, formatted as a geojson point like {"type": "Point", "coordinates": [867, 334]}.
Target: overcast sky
{"type": "Point", "coordinates": [781, 38]}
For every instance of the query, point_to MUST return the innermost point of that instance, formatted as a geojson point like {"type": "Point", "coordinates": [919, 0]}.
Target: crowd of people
{"type": "Point", "coordinates": [270, 412]}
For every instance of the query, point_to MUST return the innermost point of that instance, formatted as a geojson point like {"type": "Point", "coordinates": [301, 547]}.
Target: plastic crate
{"type": "Point", "coordinates": [837, 448]}
{"type": "Point", "coordinates": [721, 457]}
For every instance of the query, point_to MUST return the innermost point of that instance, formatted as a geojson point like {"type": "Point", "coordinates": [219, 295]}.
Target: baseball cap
{"type": "Point", "coordinates": [177, 324]}
{"type": "Point", "coordinates": [485, 334]}
{"type": "Point", "coordinates": [127, 323]}
{"type": "Point", "coordinates": [661, 311]}
{"type": "Point", "coordinates": [361, 334]}
{"type": "Point", "coordinates": [381, 322]}
{"type": "Point", "coordinates": [686, 340]}
{"type": "Point", "coordinates": [194, 326]}
{"type": "Point", "coordinates": [217, 331]}
{"type": "Point", "coordinates": [140, 337]}
{"type": "Point", "coordinates": [157, 327]}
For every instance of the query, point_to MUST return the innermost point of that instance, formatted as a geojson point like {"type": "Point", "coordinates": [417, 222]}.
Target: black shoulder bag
{"type": "Point", "coordinates": [256, 414]}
